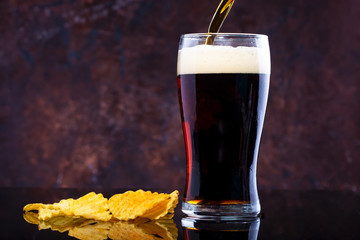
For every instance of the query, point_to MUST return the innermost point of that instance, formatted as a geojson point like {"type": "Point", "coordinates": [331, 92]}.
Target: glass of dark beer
{"type": "Point", "coordinates": [223, 90]}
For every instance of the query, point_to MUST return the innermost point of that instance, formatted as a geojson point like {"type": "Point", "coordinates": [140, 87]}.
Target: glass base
{"type": "Point", "coordinates": [222, 212]}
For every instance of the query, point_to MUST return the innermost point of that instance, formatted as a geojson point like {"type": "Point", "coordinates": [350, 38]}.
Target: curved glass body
{"type": "Point", "coordinates": [223, 91]}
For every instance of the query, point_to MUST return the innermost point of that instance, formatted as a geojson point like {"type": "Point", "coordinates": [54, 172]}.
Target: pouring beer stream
{"type": "Point", "coordinates": [218, 19]}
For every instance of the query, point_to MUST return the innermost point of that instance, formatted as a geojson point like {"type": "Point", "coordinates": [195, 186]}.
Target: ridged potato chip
{"type": "Point", "coordinates": [161, 210]}
{"type": "Point", "coordinates": [47, 213]}
{"type": "Point", "coordinates": [66, 206]}
{"type": "Point", "coordinates": [33, 207]}
{"type": "Point", "coordinates": [90, 206]}
{"type": "Point", "coordinates": [131, 205]}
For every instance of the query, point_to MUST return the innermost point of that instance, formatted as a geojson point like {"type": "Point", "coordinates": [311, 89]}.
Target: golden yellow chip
{"type": "Point", "coordinates": [66, 206]}
{"type": "Point", "coordinates": [47, 213]}
{"type": "Point", "coordinates": [33, 207]}
{"type": "Point", "coordinates": [131, 205]}
{"type": "Point", "coordinates": [90, 206]}
{"type": "Point", "coordinates": [162, 209]}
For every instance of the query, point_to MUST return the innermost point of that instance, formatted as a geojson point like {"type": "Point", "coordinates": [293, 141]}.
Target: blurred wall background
{"type": "Point", "coordinates": [88, 93]}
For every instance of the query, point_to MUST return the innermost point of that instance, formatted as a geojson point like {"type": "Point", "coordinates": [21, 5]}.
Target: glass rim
{"type": "Point", "coordinates": [224, 35]}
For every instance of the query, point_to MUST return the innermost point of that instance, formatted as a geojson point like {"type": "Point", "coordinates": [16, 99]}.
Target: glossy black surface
{"type": "Point", "coordinates": [286, 214]}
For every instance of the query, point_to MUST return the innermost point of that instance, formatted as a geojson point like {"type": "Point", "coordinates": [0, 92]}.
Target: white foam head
{"type": "Point", "coordinates": [223, 59]}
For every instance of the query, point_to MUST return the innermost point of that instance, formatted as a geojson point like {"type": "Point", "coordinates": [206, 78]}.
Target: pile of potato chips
{"type": "Point", "coordinates": [131, 215]}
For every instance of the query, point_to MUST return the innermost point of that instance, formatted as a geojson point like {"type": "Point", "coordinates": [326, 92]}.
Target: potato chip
{"type": "Point", "coordinates": [90, 206]}
{"type": "Point", "coordinates": [47, 213]}
{"type": "Point", "coordinates": [163, 208]}
{"type": "Point", "coordinates": [66, 206]}
{"type": "Point", "coordinates": [33, 207]}
{"type": "Point", "coordinates": [131, 205]}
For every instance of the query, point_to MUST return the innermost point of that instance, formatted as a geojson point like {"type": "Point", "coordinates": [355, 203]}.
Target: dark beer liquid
{"type": "Point", "coordinates": [222, 118]}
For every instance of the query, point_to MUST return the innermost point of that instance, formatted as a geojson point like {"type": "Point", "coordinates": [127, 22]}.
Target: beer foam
{"type": "Point", "coordinates": [223, 59]}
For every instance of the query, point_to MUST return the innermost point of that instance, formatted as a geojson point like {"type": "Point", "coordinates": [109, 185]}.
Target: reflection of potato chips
{"type": "Point", "coordinates": [32, 218]}
{"type": "Point", "coordinates": [170, 227]}
{"type": "Point", "coordinates": [131, 205]}
{"type": "Point", "coordinates": [61, 223]}
{"type": "Point", "coordinates": [160, 229]}
{"type": "Point", "coordinates": [144, 230]}
{"type": "Point", "coordinates": [97, 230]}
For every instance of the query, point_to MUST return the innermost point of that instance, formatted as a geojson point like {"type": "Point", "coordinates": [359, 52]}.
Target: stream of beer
{"type": "Point", "coordinates": [218, 19]}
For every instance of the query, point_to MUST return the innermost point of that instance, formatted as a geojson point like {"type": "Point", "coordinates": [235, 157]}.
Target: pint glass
{"type": "Point", "coordinates": [223, 90]}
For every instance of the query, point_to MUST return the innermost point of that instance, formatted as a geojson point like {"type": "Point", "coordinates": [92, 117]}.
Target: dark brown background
{"type": "Point", "coordinates": [88, 93]}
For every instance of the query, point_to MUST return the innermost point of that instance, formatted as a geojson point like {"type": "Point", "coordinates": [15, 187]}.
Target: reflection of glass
{"type": "Point", "coordinates": [197, 229]}
{"type": "Point", "coordinates": [82, 228]}
{"type": "Point", "coordinates": [223, 91]}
